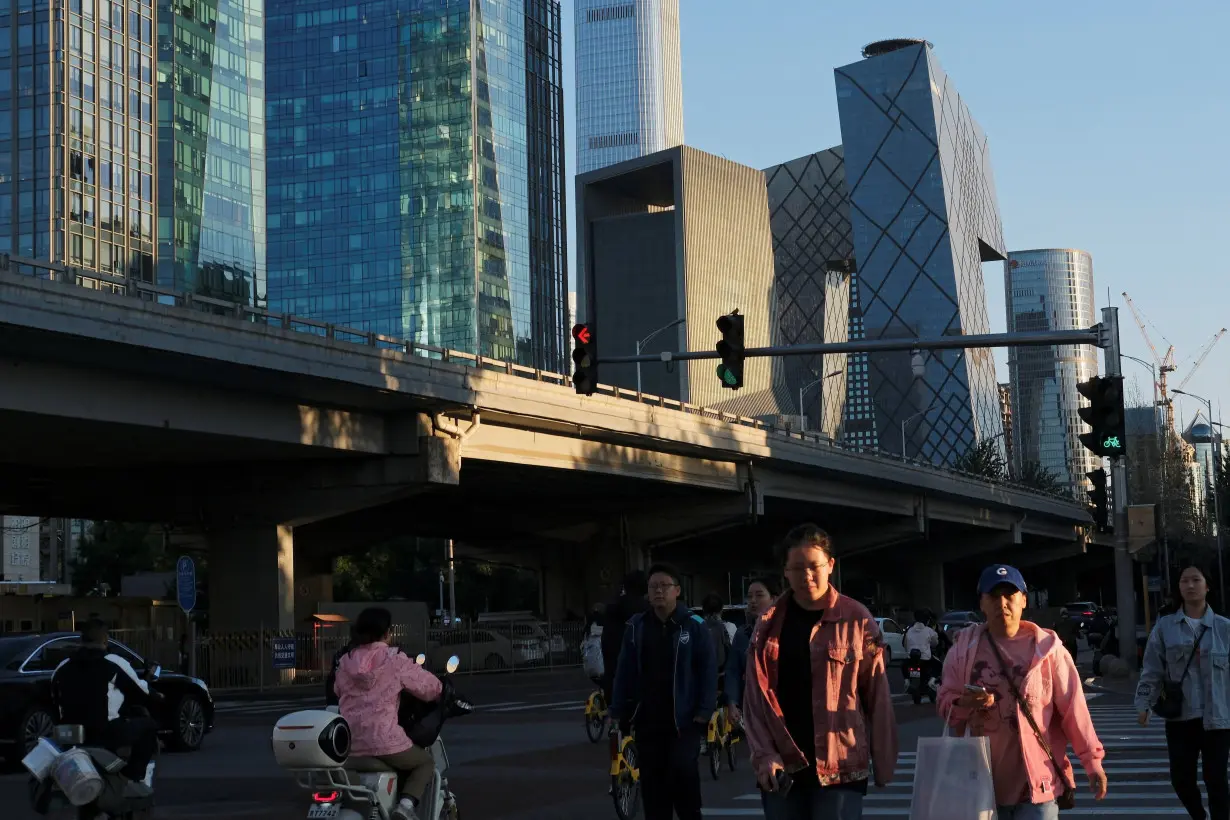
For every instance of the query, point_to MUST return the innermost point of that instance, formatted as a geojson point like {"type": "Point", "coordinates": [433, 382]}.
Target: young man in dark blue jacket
{"type": "Point", "coordinates": [666, 687]}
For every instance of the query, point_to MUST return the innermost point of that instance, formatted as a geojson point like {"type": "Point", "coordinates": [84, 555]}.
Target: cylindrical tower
{"type": "Point", "coordinates": [1050, 289]}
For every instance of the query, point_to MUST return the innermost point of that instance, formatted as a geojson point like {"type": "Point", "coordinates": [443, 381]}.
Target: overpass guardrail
{"type": "Point", "coordinates": [149, 292]}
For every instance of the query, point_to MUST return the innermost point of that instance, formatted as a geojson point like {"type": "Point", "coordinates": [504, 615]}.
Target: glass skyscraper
{"type": "Point", "coordinates": [131, 140]}
{"type": "Point", "coordinates": [925, 217]}
{"type": "Point", "coordinates": [629, 80]}
{"type": "Point", "coordinates": [416, 168]}
{"type": "Point", "coordinates": [1050, 290]}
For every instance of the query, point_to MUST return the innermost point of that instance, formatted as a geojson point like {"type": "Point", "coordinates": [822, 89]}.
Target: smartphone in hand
{"type": "Point", "coordinates": [977, 690]}
{"type": "Point", "coordinates": [784, 782]}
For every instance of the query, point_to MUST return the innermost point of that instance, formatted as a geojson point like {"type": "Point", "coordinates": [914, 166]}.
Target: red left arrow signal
{"type": "Point", "coordinates": [581, 334]}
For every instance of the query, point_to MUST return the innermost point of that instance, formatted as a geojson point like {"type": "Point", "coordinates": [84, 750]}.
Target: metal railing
{"type": "Point", "coordinates": [131, 286]}
{"type": "Point", "coordinates": [245, 660]}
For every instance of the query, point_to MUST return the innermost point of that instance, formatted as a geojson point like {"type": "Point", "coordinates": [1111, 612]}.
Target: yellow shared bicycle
{"type": "Point", "coordinates": [625, 775]}
{"type": "Point", "coordinates": [595, 715]}
{"type": "Point", "coordinates": [720, 738]}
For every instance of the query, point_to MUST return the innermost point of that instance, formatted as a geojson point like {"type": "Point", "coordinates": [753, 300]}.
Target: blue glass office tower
{"type": "Point", "coordinates": [132, 140]}
{"type": "Point", "coordinates": [416, 171]}
{"type": "Point", "coordinates": [924, 216]}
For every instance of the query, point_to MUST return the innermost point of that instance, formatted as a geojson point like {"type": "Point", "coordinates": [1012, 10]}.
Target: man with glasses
{"type": "Point", "coordinates": [666, 687]}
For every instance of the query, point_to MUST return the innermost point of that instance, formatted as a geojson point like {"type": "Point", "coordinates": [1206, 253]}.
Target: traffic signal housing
{"type": "Point", "coordinates": [1099, 501]}
{"type": "Point", "coordinates": [585, 360]}
{"type": "Point", "coordinates": [731, 349]}
{"type": "Point", "coordinates": [1105, 415]}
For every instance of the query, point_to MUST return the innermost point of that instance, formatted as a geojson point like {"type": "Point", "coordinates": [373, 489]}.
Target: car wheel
{"type": "Point", "coordinates": [188, 727]}
{"type": "Point", "coordinates": [888, 655]}
{"type": "Point", "coordinates": [35, 723]}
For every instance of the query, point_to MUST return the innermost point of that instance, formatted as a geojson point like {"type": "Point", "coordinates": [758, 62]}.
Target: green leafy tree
{"type": "Point", "coordinates": [113, 549]}
{"type": "Point", "coordinates": [983, 459]}
{"type": "Point", "coordinates": [1037, 477]}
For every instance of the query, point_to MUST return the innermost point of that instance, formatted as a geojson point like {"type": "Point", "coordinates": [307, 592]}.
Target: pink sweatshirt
{"type": "Point", "coordinates": [1052, 688]}
{"type": "Point", "coordinates": [370, 680]}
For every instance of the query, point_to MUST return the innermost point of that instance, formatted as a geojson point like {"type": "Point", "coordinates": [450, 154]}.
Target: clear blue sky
{"type": "Point", "coordinates": [1109, 125]}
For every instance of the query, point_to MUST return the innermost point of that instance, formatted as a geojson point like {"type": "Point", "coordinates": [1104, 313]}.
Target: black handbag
{"type": "Point", "coordinates": [1170, 702]}
{"type": "Point", "coordinates": [1067, 799]}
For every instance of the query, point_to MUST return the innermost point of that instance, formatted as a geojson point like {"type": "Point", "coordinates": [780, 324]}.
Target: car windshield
{"type": "Point", "coordinates": [16, 648]}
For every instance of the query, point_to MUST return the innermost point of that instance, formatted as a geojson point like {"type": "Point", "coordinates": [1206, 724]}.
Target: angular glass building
{"type": "Point", "coordinates": [1050, 290]}
{"type": "Point", "coordinates": [629, 80]}
{"type": "Point", "coordinates": [416, 172]}
{"type": "Point", "coordinates": [809, 215]}
{"type": "Point", "coordinates": [131, 155]}
{"type": "Point", "coordinates": [924, 216]}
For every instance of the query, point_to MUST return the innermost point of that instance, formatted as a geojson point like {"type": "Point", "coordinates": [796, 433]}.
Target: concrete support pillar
{"type": "Point", "coordinates": [927, 587]}
{"type": "Point", "coordinates": [252, 579]}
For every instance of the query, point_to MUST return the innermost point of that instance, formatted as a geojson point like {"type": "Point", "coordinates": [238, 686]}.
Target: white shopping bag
{"type": "Point", "coordinates": [952, 779]}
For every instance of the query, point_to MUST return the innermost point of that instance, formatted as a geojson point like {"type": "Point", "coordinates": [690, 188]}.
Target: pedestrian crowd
{"type": "Point", "coordinates": [806, 680]}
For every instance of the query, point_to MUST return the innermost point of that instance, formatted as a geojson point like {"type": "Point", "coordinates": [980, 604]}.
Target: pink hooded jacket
{"type": "Point", "coordinates": [1052, 688]}
{"type": "Point", "coordinates": [370, 680]}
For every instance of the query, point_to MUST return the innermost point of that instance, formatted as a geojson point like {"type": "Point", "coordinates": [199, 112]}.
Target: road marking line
{"type": "Point", "coordinates": [528, 706]}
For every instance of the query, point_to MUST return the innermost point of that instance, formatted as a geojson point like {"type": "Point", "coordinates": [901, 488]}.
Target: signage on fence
{"type": "Point", "coordinates": [1155, 583]}
{"type": "Point", "coordinates": [185, 583]}
{"type": "Point", "coordinates": [283, 653]}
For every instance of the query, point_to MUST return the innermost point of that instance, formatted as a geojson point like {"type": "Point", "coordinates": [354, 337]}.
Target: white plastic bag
{"type": "Point", "coordinates": [952, 779]}
{"type": "Point", "coordinates": [591, 656]}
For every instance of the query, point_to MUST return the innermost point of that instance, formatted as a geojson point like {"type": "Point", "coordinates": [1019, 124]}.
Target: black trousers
{"type": "Point", "coordinates": [1186, 742]}
{"type": "Point", "coordinates": [670, 772]}
{"type": "Point", "coordinates": [140, 735]}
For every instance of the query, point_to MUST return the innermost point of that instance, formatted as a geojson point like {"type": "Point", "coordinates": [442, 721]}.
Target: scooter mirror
{"type": "Point", "coordinates": [454, 663]}
{"type": "Point", "coordinates": [155, 672]}
{"type": "Point", "coordinates": [421, 659]}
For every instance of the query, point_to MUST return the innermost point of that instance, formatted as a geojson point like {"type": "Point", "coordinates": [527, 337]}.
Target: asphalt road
{"type": "Point", "coordinates": [522, 756]}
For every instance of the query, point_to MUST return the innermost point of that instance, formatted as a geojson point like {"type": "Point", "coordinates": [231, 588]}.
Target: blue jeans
{"type": "Point", "coordinates": [813, 804]}
{"type": "Point", "coordinates": [1030, 811]}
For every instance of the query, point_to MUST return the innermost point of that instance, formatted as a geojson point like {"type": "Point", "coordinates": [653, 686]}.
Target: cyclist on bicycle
{"type": "Point", "coordinates": [711, 608]}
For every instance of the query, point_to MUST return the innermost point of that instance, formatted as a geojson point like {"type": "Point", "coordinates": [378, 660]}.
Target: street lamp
{"type": "Point", "coordinates": [805, 388]}
{"type": "Point", "coordinates": [641, 344]}
{"type": "Point", "coordinates": [1221, 569]}
{"type": "Point", "coordinates": [903, 424]}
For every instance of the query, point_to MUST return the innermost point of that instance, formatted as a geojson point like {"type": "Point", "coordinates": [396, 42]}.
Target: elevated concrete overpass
{"type": "Point", "coordinates": [289, 442]}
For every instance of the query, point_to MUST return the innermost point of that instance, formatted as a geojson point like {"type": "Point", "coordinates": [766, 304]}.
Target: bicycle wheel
{"type": "Point", "coordinates": [593, 725]}
{"type": "Point", "coordinates": [626, 788]}
{"type": "Point", "coordinates": [730, 754]}
{"type": "Point", "coordinates": [715, 760]}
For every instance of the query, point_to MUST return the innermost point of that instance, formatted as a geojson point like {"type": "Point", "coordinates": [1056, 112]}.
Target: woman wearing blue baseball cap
{"type": "Point", "coordinates": [1014, 683]}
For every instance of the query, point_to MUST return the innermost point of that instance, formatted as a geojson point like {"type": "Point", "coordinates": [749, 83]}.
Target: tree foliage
{"type": "Point", "coordinates": [983, 459]}
{"type": "Point", "coordinates": [1043, 479]}
{"type": "Point", "coordinates": [409, 568]}
{"type": "Point", "coordinates": [113, 549]}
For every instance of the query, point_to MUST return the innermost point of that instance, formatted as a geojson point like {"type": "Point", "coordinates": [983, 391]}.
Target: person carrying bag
{"type": "Point", "coordinates": [1169, 704]}
{"type": "Point", "coordinates": [1008, 668]}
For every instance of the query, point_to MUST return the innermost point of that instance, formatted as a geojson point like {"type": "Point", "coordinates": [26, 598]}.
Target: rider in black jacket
{"type": "Point", "coordinates": [93, 688]}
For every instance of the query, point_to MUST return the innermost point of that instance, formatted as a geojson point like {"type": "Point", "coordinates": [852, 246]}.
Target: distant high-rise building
{"type": "Point", "coordinates": [629, 80]}
{"type": "Point", "coordinates": [416, 159]}
{"type": "Point", "coordinates": [132, 141]}
{"type": "Point", "coordinates": [925, 217]}
{"type": "Point", "coordinates": [809, 214]}
{"type": "Point", "coordinates": [1050, 289]}
{"type": "Point", "coordinates": [680, 234]}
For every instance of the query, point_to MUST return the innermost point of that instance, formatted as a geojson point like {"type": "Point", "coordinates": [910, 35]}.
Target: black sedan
{"type": "Point", "coordinates": [185, 715]}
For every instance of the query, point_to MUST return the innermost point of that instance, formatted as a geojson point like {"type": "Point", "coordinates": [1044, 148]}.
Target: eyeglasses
{"type": "Point", "coordinates": [661, 587]}
{"type": "Point", "coordinates": [810, 569]}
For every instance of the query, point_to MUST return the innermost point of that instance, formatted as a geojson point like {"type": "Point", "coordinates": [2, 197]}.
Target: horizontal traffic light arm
{"type": "Point", "coordinates": [1092, 336]}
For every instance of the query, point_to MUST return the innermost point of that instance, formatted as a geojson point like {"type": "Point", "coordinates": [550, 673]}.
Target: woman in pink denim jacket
{"type": "Point", "coordinates": [980, 671]}
{"type": "Point", "coordinates": [370, 680]}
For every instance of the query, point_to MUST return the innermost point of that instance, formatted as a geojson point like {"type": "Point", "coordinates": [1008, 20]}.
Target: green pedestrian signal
{"type": "Point", "coordinates": [728, 378]}
{"type": "Point", "coordinates": [731, 349]}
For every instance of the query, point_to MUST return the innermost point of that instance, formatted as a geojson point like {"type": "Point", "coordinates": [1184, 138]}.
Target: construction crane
{"type": "Point", "coordinates": [1166, 365]}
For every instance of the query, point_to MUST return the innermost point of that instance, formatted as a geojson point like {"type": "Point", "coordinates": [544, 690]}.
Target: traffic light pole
{"type": "Point", "coordinates": [1125, 587]}
{"type": "Point", "coordinates": [1092, 336]}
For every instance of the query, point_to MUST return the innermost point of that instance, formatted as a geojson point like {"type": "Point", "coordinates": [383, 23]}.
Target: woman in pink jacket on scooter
{"type": "Point", "coordinates": [370, 680]}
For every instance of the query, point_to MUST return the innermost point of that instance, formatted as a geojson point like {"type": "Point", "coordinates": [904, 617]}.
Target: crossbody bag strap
{"type": "Point", "coordinates": [1195, 648]}
{"type": "Point", "coordinates": [1024, 707]}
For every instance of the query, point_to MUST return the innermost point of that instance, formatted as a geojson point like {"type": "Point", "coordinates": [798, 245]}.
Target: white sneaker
{"type": "Point", "coordinates": [404, 811]}
{"type": "Point", "coordinates": [149, 775]}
